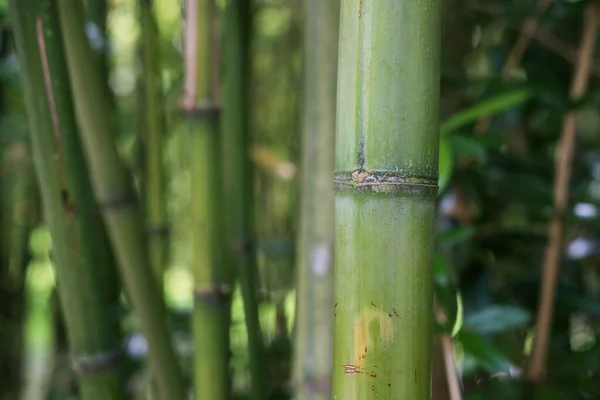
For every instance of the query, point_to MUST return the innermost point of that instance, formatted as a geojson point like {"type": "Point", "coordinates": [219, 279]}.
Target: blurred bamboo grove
{"type": "Point", "coordinates": [299, 199]}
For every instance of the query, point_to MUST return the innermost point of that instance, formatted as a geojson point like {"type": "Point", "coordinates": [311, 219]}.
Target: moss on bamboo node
{"type": "Point", "coordinates": [385, 182]}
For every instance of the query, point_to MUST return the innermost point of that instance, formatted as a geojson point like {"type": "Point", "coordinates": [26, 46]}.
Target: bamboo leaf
{"type": "Point", "coordinates": [446, 164]}
{"type": "Point", "coordinates": [455, 236]}
{"type": "Point", "coordinates": [497, 319]}
{"type": "Point", "coordinates": [495, 105]}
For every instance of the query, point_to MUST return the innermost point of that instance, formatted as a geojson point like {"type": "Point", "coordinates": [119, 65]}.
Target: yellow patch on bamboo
{"type": "Point", "coordinates": [363, 339]}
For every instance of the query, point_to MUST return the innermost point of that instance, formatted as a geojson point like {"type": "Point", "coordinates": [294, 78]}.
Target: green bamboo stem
{"type": "Point", "coordinates": [238, 178]}
{"type": "Point", "coordinates": [154, 129]}
{"type": "Point", "coordinates": [212, 308]}
{"type": "Point", "coordinates": [313, 350]}
{"type": "Point", "coordinates": [386, 186]}
{"type": "Point", "coordinates": [67, 202]}
{"type": "Point", "coordinates": [114, 192]}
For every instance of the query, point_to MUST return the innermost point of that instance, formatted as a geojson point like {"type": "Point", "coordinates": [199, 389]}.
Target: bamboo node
{"type": "Point", "coordinates": [123, 200]}
{"type": "Point", "coordinates": [242, 245]}
{"type": "Point", "coordinates": [85, 365]}
{"type": "Point", "coordinates": [217, 293]}
{"type": "Point", "coordinates": [385, 181]}
{"type": "Point", "coordinates": [159, 229]}
{"type": "Point", "coordinates": [208, 110]}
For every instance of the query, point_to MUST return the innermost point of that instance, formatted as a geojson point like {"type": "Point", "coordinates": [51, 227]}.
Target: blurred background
{"type": "Point", "coordinates": [507, 68]}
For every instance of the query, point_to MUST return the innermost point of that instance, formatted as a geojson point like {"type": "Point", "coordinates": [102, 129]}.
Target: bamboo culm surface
{"type": "Point", "coordinates": [82, 268]}
{"type": "Point", "coordinates": [313, 350]}
{"type": "Point", "coordinates": [386, 156]}
{"type": "Point", "coordinates": [114, 193]}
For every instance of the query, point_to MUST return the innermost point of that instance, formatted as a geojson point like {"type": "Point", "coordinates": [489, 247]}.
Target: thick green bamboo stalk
{"type": "Point", "coordinates": [238, 177]}
{"type": "Point", "coordinates": [154, 128]}
{"type": "Point", "coordinates": [212, 307]}
{"type": "Point", "coordinates": [115, 195]}
{"type": "Point", "coordinates": [68, 204]}
{"type": "Point", "coordinates": [313, 350]}
{"type": "Point", "coordinates": [386, 185]}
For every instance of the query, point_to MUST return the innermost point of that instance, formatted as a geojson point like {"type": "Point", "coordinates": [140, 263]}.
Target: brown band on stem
{"type": "Point", "coordinates": [203, 111]}
{"type": "Point", "coordinates": [159, 229]}
{"type": "Point", "coordinates": [123, 200]}
{"type": "Point", "coordinates": [86, 365]}
{"type": "Point", "coordinates": [241, 245]}
{"type": "Point", "coordinates": [216, 294]}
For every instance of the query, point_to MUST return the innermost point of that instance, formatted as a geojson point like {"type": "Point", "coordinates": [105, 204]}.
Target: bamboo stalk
{"type": "Point", "coordinates": [114, 193]}
{"type": "Point", "coordinates": [212, 308]}
{"type": "Point", "coordinates": [68, 202]}
{"type": "Point", "coordinates": [313, 350]}
{"type": "Point", "coordinates": [238, 178]}
{"type": "Point", "coordinates": [154, 130]}
{"type": "Point", "coordinates": [565, 151]}
{"type": "Point", "coordinates": [386, 187]}
{"type": "Point", "coordinates": [18, 214]}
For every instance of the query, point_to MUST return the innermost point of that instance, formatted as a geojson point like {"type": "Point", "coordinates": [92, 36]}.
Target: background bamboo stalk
{"type": "Point", "coordinates": [213, 280]}
{"type": "Point", "coordinates": [563, 165]}
{"type": "Point", "coordinates": [386, 187]}
{"type": "Point", "coordinates": [18, 214]}
{"type": "Point", "coordinates": [238, 178]}
{"type": "Point", "coordinates": [313, 350]}
{"type": "Point", "coordinates": [114, 192]}
{"type": "Point", "coordinates": [153, 138]}
{"type": "Point", "coordinates": [68, 203]}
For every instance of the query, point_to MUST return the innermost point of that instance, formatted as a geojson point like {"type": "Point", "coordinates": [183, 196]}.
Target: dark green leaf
{"type": "Point", "coordinates": [484, 352]}
{"type": "Point", "coordinates": [446, 164]}
{"type": "Point", "coordinates": [456, 235]}
{"type": "Point", "coordinates": [496, 319]}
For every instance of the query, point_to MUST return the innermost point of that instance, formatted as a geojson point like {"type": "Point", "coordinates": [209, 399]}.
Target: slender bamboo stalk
{"type": "Point", "coordinates": [17, 216]}
{"type": "Point", "coordinates": [565, 151]}
{"type": "Point", "coordinates": [212, 308]}
{"type": "Point", "coordinates": [67, 201]}
{"type": "Point", "coordinates": [386, 186]}
{"type": "Point", "coordinates": [313, 350]}
{"type": "Point", "coordinates": [153, 113]}
{"type": "Point", "coordinates": [114, 192]}
{"type": "Point", "coordinates": [238, 178]}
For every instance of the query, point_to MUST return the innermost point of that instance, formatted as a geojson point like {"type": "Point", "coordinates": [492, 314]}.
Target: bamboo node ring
{"type": "Point", "coordinates": [217, 293]}
{"type": "Point", "coordinates": [207, 110]}
{"type": "Point", "coordinates": [92, 364]}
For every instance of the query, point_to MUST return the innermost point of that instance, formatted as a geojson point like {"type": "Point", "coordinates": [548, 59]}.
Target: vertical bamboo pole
{"type": "Point", "coordinates": [68, 202]}
{"type": "Point", "coordinates": [386, 186]}
{"type": "Point", "coordinates": [238, 177]}
{"type": "Point", "coordinates": [154, 129]}
{"type": "Point", "coordinates": [212, 307]}
{"type": "Point", "coordinates": [313, 350]}
{"type": "Point", "coordinates": [114, 193]}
